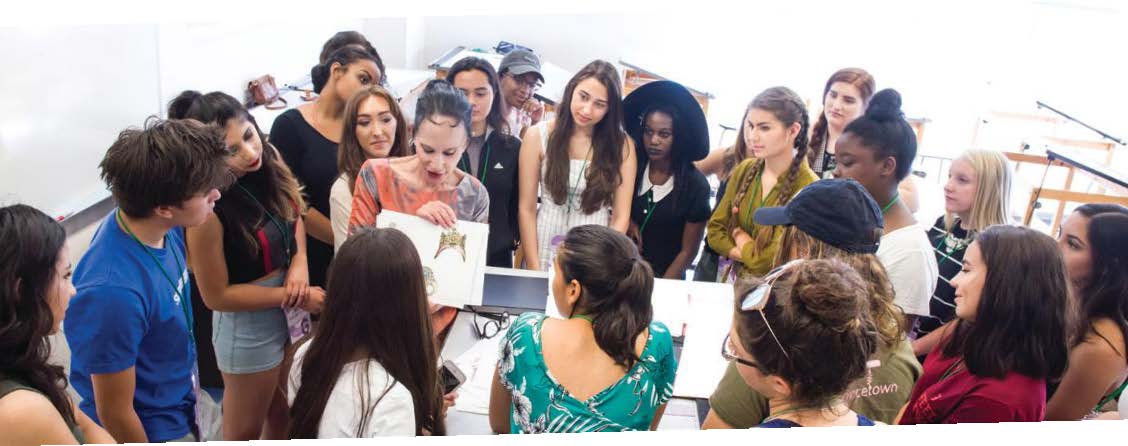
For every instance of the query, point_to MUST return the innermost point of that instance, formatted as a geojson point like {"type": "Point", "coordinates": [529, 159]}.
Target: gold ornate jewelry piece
{"type": "Point", "coordinates": [452, 239]}
{"type": "Point", "coordinates": [429, 280]}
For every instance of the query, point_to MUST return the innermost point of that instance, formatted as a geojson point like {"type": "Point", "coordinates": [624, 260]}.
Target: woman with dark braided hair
{"type": "Point", "coordinates": [35, 286]}
{"type": "Point", "coordinates": [775, 127]}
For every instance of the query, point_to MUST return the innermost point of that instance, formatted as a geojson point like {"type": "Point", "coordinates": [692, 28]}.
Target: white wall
{"type": "Point", "coordinates": [226, 56]}
{"type": "Point", "coordinates": [950, 60]}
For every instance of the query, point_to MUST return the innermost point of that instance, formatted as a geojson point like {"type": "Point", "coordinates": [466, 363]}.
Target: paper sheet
{"type": "Point", "coordinates": [701, 366]}
{"type": "Point", "coordinates": [670, 300]}
{"type": "Point", "coordinates": [452, 280]}
{"type": "Point", "coordinates": [478, 364]}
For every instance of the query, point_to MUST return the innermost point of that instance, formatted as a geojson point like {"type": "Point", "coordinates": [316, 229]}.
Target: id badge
{"type": "Point", "coordinates": [725, 273]}
{"type": "Point", "coordinates": [298, 322]}
{"type": "Point", "coordinates": [196, 393]}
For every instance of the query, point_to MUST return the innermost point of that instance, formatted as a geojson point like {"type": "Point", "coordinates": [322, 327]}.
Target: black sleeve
{"type": "Point", "coordinates": [698, 198]}
{"type": "Point", "coordinates": [284, 137]}
{"type": "Point", "coordinates": [515, 192]}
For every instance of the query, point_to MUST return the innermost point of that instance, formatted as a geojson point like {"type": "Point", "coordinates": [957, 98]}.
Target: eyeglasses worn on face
{"type": "Point", "coordinates": [757, 299]}
{"type": "Point", "coordinates": [533, 85]}
{"type": "Point", "coordinates": [729, 354]}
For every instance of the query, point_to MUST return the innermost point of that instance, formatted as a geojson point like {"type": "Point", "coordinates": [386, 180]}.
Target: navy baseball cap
{"type": "Point", "coordinates": [838, 212]}
{"type": "Point", "coordinates": [520, 62]}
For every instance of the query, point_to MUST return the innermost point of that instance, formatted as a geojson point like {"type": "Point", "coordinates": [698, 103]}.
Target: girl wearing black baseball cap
{"type": "Point", "coordinates": [834, 219]}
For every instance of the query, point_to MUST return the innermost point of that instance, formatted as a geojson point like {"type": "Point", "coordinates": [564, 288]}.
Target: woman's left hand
{"type": "Point", "coordinates": [439, 213]}
{"type": "Point", "coordinates": [740, 238]}
{"type": "Point", "coordinates": [448, 401]}
{"type": "Point", "coordinates": [297, 286]}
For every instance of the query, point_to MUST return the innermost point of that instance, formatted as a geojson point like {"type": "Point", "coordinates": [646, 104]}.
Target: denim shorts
{"type": "Point", "coordinates": [250, 341]}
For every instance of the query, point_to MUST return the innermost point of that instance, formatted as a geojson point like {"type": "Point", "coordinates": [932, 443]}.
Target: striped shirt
{"type": "Point", "coordinates": [949, 248]}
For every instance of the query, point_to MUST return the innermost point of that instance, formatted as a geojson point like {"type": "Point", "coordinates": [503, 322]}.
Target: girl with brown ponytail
{"type": "Point", "coordinates": [608, 354]}
{"type": "Point", "coordinates": [775, 127]}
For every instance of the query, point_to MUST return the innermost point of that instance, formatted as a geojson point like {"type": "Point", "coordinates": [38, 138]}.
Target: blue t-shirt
{"type": "Point", "coordinates": [126, 314]}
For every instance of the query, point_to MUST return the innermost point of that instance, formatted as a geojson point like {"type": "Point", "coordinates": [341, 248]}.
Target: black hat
{"type": "Point", "coordinates": [690, 130]}
{"type": "Point", "coordinates": [838, 212]}
{"type": "Point", "coordinates": [520, 62]}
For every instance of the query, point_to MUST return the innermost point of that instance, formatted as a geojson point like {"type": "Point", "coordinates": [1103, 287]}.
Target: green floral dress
{"type": "Point", "coordinates": [541, 405]}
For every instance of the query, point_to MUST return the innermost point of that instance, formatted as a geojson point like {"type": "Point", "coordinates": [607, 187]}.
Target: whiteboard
{"type": "Point", "coordinates": [67, 93]}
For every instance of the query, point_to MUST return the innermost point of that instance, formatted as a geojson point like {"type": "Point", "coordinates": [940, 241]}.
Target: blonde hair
{"type": "Point", "coordinates": [992, 191]}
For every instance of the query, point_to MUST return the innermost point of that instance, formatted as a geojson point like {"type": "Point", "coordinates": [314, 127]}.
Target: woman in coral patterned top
{"type": "Point", "coordinates": [429, 183]}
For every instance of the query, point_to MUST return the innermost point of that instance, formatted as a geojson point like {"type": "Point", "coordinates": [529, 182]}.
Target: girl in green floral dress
{"type": "Point", "coordinates": [607, 367]}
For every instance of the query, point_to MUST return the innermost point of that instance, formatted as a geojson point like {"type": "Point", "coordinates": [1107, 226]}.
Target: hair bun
{"type": "Point", "coordinates": [439, 84]}
{"type": "Point", "coordinates": [830, 292]}
{"type": "Point", "coordinates": [179, 106]}
{"type": "Point", "coordinates": [885, 106]}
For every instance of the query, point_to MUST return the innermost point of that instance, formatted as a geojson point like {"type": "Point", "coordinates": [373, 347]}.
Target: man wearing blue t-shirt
{"type": "Point", "coordinates": [133, 358]}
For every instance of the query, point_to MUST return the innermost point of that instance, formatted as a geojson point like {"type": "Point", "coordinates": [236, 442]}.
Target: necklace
{"type": "Point", "coordinates": [180, 267]}
{"type": "Point", "coordinates": [650, 204]}
{"type": "Point", "coordinates": [483, 167]}
{"type": "Point", "coordinates": [281, 230]}
{"type": "Point", "coordinates": [576, 185]}
{"type": "Point", "coordinates": [896, 198]}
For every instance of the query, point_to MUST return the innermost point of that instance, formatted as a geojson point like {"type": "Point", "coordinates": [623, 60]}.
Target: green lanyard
{"type": "Point", "coordinates": [180, 267]}
{"type": "Point", "coordinates": [650, 204]}
{"type": "Point", "coordinates": [752, 201]}
{"type": "Point", "coordinates": [948, 252]}
{"type": "Point", "coordinates": [572, 191]}
{"type": "Point", "coordinates": [281, 230]}
{"type": "Point", "coordinates": [896, 198]}
{"type": "Point", "coordinates": [483, 168]}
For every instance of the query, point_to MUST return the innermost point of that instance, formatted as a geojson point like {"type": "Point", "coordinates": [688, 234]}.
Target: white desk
{"type": "Point", "coordinates": [699, 367]}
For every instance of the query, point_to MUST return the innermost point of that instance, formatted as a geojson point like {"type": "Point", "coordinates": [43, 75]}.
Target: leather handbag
{"type": "Point", "coordinates": [264, 92]}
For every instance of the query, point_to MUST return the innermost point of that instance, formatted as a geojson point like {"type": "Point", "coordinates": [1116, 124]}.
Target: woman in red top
{"type": "Point", "coordinates": [1011, 334]}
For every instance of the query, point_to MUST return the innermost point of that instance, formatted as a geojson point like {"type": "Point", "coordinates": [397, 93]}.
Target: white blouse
{"type": "Point", "coordinates": [394, 415]}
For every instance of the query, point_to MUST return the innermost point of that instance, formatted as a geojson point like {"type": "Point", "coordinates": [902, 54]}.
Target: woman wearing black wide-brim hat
{"type": "Point", "coordinates": [671, 203]}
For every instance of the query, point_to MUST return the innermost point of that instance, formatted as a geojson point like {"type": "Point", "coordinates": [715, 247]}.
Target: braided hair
{"type": "Point", "coordinates": [785, 105]}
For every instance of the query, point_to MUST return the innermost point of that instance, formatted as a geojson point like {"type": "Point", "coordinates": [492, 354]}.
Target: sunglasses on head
{"type": "Point", "coordinates": [757, 299]}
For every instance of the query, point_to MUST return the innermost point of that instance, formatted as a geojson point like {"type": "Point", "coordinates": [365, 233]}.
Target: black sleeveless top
{"type": "Point", "coordinates": [9, 385]}
{"type": "Point", "coordinates": [273, 248]}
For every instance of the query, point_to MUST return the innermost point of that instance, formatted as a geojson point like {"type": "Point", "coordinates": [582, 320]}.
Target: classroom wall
{"type": "Point", "coordinates": [950, 60]}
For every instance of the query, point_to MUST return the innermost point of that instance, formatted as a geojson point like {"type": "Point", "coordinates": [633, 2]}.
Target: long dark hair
{"type": "Point", "coordinates": [494, 119]}
{"type": "Point", "coordinates": [607, 140]}
{"type": "Point", "coordinates": [340, 40]}
{"type": "Point", "coordinates": [616, 284]}
{"type": "Point", "coordinates": [378, 308]}
{"type": "Point", "coordinates": [350, 153]}
{"type": "Point", "coordinates": [860, 79]}
{"type": "Point", "coordinates": [680, 152]}
{"type": "Point", "coordinates": [884, 130]}
{"type": "Point", "coordinates": [344, 56]}
{"type": "Point", "coordinates": [820, 314]}
{"type": "Point", "coordinates": [29, 248]}
{"type": "Point", "coordinates": [1106, 294]}
{"type": "Point", "coordinates": [273, 184]}
{"type": "Point", "coordinates": [1022, 321]}
{"type": "Point", "coordinates": [785, 105]}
